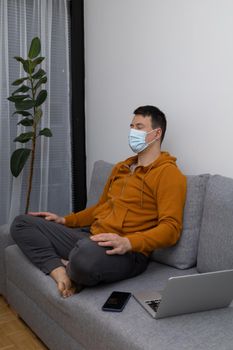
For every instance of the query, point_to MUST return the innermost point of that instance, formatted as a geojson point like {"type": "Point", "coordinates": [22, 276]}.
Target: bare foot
{"type": "Point", "coordinates": [64, 284]}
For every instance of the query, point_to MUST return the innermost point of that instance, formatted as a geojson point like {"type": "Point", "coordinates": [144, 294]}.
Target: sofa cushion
{"type": "Point", "coordinates": [81, 317]}
{"type": "Point", "coordinates": [100, 173]}
{"type": "Point", "coordinates": [216, 235]}
{"type": "Point", "coordinates": [184, 254]}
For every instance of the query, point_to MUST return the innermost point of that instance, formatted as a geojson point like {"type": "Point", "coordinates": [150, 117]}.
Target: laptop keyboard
{"type": "Point", "coordinates": [154, 304]}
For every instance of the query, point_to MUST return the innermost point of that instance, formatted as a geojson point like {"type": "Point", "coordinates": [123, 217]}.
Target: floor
{"type": "Point", "coordinates": [14, 333]}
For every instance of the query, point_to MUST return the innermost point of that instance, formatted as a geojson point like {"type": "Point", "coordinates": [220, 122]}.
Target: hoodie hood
{"type": "Point", "coordinates": [164, 158]}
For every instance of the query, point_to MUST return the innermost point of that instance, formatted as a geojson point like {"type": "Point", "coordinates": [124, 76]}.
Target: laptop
{"type": "Point", "coordinates": [190, 293]}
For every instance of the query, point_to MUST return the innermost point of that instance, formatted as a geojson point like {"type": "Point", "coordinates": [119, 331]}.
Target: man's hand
{"type": "Point", "coordinates": [121, 245]}
{"type": "Point", "coordinates": [49, 216]}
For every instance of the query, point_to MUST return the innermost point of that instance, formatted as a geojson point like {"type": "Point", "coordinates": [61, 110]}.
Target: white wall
{"type": "Point", "coordinates": [175, 54]}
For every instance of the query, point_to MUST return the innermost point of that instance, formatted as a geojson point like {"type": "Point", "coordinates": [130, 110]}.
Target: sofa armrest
{"type": "Point", "coordinates": [5, 241]}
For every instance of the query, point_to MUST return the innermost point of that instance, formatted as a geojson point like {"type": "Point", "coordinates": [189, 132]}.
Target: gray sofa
{"type": "Point", "coordinates": [79, 323]}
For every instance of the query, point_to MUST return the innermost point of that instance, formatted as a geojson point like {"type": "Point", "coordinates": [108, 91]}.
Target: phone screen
{"type": "Point", "coordinates": [116, 301]}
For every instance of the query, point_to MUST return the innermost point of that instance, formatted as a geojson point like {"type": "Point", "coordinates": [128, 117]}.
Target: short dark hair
{"type": "Point", "coordinates": [158, 118]}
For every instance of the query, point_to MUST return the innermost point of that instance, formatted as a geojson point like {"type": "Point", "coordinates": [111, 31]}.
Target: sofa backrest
{"type": "Point", "coordinates": [183, 255]}
{"type": "Point", "coordinates": [215, 251]}
{"type": "Point", "coordinates": [99, 176]}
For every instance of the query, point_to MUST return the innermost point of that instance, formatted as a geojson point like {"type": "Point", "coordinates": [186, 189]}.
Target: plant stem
{"type": "Point", "coordinates": [31, 173]}
{"type": "Point", "coordinates": [33, 150]}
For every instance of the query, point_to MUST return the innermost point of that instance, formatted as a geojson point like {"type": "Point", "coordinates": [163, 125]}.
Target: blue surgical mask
{"type": "Point", "coordinates": [137, 140]}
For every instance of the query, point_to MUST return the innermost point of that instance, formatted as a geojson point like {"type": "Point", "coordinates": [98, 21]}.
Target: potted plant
{"type": "Point", "coordinates": [28, 99]}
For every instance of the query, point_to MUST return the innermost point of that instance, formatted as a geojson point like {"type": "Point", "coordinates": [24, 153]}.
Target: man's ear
{"type": "Point", "coordinates": [158, 134]}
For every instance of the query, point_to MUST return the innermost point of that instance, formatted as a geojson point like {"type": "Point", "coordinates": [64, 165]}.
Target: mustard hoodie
{"type": "Point", "coordinates": [145, 205]}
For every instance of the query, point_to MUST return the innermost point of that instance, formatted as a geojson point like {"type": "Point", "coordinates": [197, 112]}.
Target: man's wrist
{"type": "Point", "coordinates": [128, 244]}
{"type": "Point", "coordinates": [62, 220]}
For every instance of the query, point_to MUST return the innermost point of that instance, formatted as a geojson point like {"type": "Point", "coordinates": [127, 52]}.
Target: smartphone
{"type": "Point", "coordinates": [116, 301]}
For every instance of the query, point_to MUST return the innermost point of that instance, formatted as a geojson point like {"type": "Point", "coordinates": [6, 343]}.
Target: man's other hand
{"type": "Point", "coordinates": [120, 245]}
{"type": "Point", "coordinates": [49, 216]}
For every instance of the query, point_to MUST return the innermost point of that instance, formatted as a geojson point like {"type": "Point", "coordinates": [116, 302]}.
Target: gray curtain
{"type": "Point", "coordinates": [20, 21]}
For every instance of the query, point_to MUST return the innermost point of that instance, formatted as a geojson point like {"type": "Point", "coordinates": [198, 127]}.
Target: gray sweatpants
{"type": "Point", "coordinates": [45, 243]}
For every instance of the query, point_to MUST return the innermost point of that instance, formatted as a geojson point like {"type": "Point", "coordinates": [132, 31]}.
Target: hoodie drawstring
{"type": "Point", "coordinates": [143, 182]}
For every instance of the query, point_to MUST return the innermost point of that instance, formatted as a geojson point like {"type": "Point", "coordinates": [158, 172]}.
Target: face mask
{"type": "Point", "coordinates": [137, 140]}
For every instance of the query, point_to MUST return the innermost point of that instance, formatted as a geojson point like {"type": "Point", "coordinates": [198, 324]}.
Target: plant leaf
{"type": "Point", "coordinates": [19, 81]}
{"type": "Point", "coordinates": [38, 115]}
{"type": "Point", "coordinates": [41, 98]}
{"type": "Point", "coordinates": [24, 105]}
{"type": "Point", "coordinates": [46, 132]}
{"type": "Point", "coordinates": [34, 48]}
{"type": "Point", "coordinates": [26, 122]}
{"type": "Point", "coordinates": [17, 98]}
{"type": "Point", "coordinates": [39, 74]}
{"type": "Point", "coordinates": [40, 82]}
{"type": "Point", "coordinates": [24, 113]}
{"type": "Point", "coordinates": [24, 137]}
{"type": "Point", "coordinates": [19, 59]}
{"type": "Point", "coordinates": [26, 66]}
{"type": "Point", "coordinates": [23, 88]}
{"type": "Point", "coordinates": [31, 67]}
{"type": "Point", "coordinates": [18, 160]}
{"type": "Point", "coordinates": [37, 61]}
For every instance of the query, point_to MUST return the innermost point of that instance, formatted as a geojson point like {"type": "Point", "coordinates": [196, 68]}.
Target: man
{"type": "Point", "coordinates": [140, 210]}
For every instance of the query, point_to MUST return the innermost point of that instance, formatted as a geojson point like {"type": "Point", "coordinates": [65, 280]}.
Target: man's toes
{"type": "Point", "coordinates": [61, 287]}
{"type": "Point", "coordinates": [70, 292]}
{"type": "Point", "coordinates": [67, 293]}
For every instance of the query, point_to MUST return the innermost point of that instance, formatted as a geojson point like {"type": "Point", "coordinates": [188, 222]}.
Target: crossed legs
{"type": "Point", "coordinates": [68, 255]}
